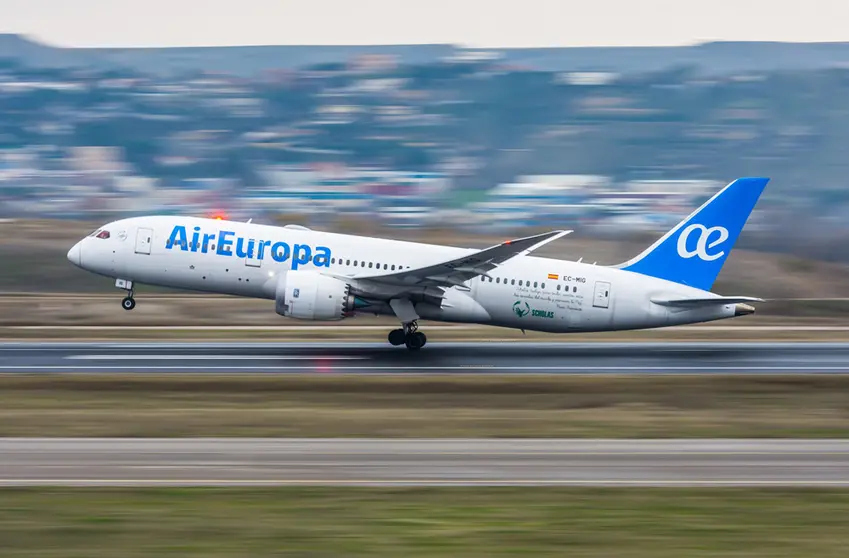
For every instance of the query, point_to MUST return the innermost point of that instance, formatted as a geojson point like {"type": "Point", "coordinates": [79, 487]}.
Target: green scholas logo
{"type": "Point", "coordinates": [521, 309]}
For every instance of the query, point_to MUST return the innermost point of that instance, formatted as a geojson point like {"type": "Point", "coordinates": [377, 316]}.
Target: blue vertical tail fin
{"type": "Point", "coordinates": [694, 251]}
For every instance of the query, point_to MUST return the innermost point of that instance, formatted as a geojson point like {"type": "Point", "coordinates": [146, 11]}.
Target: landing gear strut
{"type": "Point", "coordinates": [409, 336]}
{"type": "Point", "coordinates": [129, 302]}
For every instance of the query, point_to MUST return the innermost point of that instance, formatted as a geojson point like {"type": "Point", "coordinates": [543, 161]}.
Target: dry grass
{"type": "Point", "coordinates": [310, 406]}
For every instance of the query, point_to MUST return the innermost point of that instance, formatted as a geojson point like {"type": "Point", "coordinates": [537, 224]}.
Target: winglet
{"type": "Point", "coordinates": [545, 238]}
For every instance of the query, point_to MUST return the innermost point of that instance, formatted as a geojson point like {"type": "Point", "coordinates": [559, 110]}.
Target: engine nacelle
{"type": "Point", "coordinates": [309, 295]}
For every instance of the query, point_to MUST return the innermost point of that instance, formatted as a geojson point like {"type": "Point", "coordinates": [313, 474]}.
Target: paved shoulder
{"type": "Point", "coordinates": [423, 462]}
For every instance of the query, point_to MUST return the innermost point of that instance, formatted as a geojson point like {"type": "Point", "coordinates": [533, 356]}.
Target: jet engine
{"type": "Point", "coordinates": [309, 295]}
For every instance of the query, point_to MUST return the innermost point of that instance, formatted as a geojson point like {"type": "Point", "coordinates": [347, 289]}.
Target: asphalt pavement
{"type": "Point", "coordinates": [429, 462]}
{"type": "Point", "coordinates": [454, 358]}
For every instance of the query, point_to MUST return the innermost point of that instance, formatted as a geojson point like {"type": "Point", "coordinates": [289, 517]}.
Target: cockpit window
{"type": "Point", "coordinates": [103, 234]}
{"type": "Point", "coordinates": [95, 232]}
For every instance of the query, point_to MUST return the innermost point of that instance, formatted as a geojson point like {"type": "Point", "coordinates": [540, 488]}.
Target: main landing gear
{"type": "Point", "coordinates": [409, 336]}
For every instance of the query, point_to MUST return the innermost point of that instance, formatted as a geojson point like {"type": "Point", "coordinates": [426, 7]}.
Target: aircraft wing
{"type": "Point", "coordinates": [453, 273]}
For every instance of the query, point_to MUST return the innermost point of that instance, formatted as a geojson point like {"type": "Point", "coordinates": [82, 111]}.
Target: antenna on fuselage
{"type": "Point", "coordinates": [251, 219]}
{"type": "Point", "coordinates": [580, 259]}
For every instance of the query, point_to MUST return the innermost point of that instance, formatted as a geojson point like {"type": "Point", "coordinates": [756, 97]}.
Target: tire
{"type": "Point", "coordinates": [128, 303]}
{"type": "Point", "coordinates": [396, 337]}
{"type": "Point", "coordinates": [416, 341]}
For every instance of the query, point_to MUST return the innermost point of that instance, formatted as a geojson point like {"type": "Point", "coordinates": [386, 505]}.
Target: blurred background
{"type": "Point", "coordinates": [439, 142]}
{"type": "Point", "coordinates": [608, 140]}
{"type": "Point", "coordinates": [450, 144]}
{"type": "Point", "coordinates": [460, 122]}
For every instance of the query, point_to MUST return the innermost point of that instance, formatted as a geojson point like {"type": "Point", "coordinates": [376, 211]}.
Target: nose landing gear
{"type": "Point", "coordinates": [129, 302]}
{"type": "Point", "coordinates": [409, 336]}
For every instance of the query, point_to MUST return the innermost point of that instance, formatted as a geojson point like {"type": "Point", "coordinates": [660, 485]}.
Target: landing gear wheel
{"type": "Point", "coordinates": [396, 337]}
{"type": "Point", "coordinates": [415, 341]}
{"type": "Point", "coordinates": [128, 303]}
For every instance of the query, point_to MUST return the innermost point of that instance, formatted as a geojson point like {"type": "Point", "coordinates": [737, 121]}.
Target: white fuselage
{"type": "Point", "coordinates": [526, 292]}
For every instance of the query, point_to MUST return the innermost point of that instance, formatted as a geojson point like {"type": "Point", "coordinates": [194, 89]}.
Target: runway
{"type": "Point", "coordinates": [435, 358]}
{"type": "Point", "coordinates": [381, 462]}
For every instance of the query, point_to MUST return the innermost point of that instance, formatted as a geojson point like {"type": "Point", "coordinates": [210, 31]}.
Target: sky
{"type": "Point", "coordinates": [474, 23]}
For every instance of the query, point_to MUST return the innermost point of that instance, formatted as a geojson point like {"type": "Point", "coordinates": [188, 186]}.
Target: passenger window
{"type": "Point", "coordinates": [385, 266]}
{"type": "Point", "coordinates": [347, 262]}
{"type": "Point", "coordinates": [370, 265]}
{"type": "Point", "coordinates": [393, 267]}
{"type": "Point", "coordinates": [362, 263]}
{"type": "Point", "coordinates": [512, 281]}
{"type": "Point", "coordinates": [333, 260]}
{"type": "Point", "coordinates": [574, 289]}
{"type": "Point", "coordinates": [558, 287]}
{"type": "Point", "coordinates": [535, 284]}
{"type": "Point", "coordinates": [355, 263]}
{"type": "Point", "coordinates": [498, 280]}
{"type": "Point", "coordinates": [543, 285]}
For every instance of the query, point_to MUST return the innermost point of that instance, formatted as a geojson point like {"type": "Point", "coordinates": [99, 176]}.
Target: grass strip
{"type": "Point", "coordinates": [425, 406]}
{"type": "Point", "coordinates": [450, 522]}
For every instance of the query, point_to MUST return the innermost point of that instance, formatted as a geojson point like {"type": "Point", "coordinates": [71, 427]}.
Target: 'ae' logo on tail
{"type": "Point", "coordinates": [708, 239]}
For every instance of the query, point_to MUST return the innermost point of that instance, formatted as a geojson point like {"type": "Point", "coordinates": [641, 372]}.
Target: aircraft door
{"type": "Point", "coordinates": [253, 255]}
{"type": "Point", "coordinates": [601, 296]}
{"type": "Point", "coordinates": [144, 240]}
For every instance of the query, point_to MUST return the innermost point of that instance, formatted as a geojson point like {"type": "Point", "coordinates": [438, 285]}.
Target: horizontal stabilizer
{"type": "Point", "coordinates": [702, 302]}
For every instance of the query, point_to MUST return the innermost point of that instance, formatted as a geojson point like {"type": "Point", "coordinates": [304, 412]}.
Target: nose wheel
{"type": "Point", "coordinates": [409, 336]}
{"type": "Point", "coordinates": [128, 303]}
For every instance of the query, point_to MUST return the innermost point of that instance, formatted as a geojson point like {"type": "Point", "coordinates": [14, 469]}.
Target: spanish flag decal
{"type": "Point", "coordinates": [553, 276]}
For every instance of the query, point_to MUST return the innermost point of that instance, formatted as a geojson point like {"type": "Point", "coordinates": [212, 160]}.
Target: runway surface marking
{"type": "Point", "coordinates": [421, 462]}
{"type": "Point", "coordinates": [565, 369]}
{"type": "Point", "coordinates": [449, 358]}
{"type": "Point", "coordinates": [214, 357]}
{"type": "Point", "coordinates": [388, 327]}
{"type": "Point", "coordinates": [417, 483]}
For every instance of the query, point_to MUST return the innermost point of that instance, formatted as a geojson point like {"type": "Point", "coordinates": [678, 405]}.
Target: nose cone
{"type": "Point", "coordinates": [75, 254]}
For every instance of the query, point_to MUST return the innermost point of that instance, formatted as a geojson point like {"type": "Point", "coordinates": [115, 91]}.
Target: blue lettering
{"type": "Point", "coordinates": [223, 248]}
{"type": "Point", "coordinates": [262, 245]}
{"type": "Point", "coordinates": [178, 236]}
{"type": "Point", "coordinates": [206, 239]}
{"type": "Point", "coordinates": [240, 250]}
{"type": "Point", "coordinates": [229, 244]}
{"type": "Point", "coordinates": [322, 256]}
{"type": "Point", "coordinates": [195, 240]}
{"type": "Point", "coordinates": [280, 251]}
{"type": "Point", "coordinates": [301, 255]}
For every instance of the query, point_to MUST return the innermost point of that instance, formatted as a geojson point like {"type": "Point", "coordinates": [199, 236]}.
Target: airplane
{"type": "Point", "coordinates": [312, 275]}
